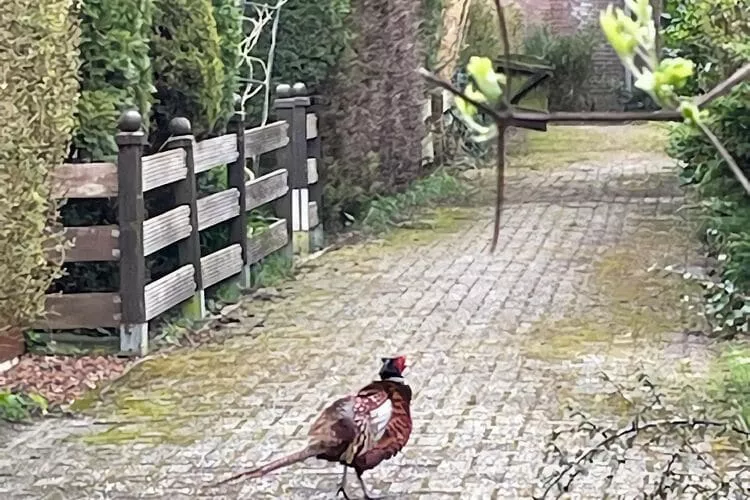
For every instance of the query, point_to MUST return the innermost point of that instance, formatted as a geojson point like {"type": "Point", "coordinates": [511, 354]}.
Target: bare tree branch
{"type": "Point", "coordinates": [725, 87]}
{"type": "Point", "coordinates": [438, 82]}
{"type": "Point", "coordinates": [598, 116]}
{"type": "Point", "coordinates": [726, 155]}
{"type": "Point", "coordinates": [500, 186]}
{"type": "Point", "coordinates": [636, 428]}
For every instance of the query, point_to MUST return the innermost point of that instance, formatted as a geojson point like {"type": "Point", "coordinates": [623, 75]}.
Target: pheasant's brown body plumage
{"type": "Point", "coordinates": [359, 431]}
{"type": "Point", "coordinates": [397, 431]}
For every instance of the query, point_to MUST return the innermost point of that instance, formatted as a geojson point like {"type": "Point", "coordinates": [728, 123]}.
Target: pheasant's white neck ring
{"type": "Point", "coordinates": [399, 380]}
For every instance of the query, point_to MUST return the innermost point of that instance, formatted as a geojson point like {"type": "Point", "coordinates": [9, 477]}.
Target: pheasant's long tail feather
{"type": "Point", "coordinates": [276, 464]}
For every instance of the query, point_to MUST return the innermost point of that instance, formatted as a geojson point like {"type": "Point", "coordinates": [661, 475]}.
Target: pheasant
{"type": "Point", "coordinates": [358, 431]}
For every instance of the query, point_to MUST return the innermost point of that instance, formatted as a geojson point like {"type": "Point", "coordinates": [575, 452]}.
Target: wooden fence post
{"type": "Point", "coordinates": [186, 193]}
{"type": "Point", "coordinates": [436, 126]}
{"type": "Point", "coordinates": [236, 179]}
{"type": "Point", "coordinates": [291, 106]}
{"type": "Point", "coordinates": [284, 206]}
{"type": "Point", "coordinates": [133, 324]}
{"type": "Point", "coordinates": [314, 158]}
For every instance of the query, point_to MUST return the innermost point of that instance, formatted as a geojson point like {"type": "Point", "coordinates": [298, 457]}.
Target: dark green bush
{"type": "Point", "coordinates": [431, 30]}
{"type": "Point", "coordinates": [188, 70]}
{"type": "Point", "coordinates": [115, 71]}
{"type": "Point", "coordinates": [228, 16]}
{"type": "Point", "coordinates": [310, 42]}
{"type": "Point", "coordinates": [571, 56]}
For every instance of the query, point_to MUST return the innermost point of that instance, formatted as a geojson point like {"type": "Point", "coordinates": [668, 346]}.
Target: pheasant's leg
{"type": "Point", "coordinates": [342, 485]}
{"type": "Point", "coordinates": [364, 488]}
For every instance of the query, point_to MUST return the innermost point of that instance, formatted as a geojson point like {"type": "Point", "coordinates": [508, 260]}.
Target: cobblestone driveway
{"type": "Point", "coordinates": [483, 407]}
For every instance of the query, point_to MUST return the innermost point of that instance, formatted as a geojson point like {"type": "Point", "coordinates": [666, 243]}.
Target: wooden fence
{"type": "Point", "coordinates": [294, 190]}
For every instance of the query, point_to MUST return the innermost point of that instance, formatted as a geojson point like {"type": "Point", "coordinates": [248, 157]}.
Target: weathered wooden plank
{"type": "Point", "coordinates": [313, 214]}
{"type": "Point", "coordinates": [85, 180]}
{"type": "Point", "coordinates": [261, 140]}
{"type": "Point", "coordinates": [266, 188]}
{"type": "Point", "coordinates": [311, 125]}
{"type": "Point", "coordinates": [312, 171]}
{"type": "Point", "coordinates": [165, 229]}
{"type": "Point", "coordinates": [214, 152]}
{"type": "Point", "coordinates": [217, 208]}
{"type": "Point", "coordinates": [92, 243]}
{"type": "Point", "coordinates": [167, 292]}
{"type": "Point", "coordinates": [80, 310]}
{"type": "Point", "coordinates": [163, 168]}
{"type": "Point", "coordinates": [267, 242]}
{"type": "Point", "coordinates": [221, 264]}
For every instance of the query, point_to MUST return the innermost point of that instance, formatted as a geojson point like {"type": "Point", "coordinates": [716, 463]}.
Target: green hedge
{"type": "Point", "coordinates": [431, 30]}
{"type": "Point", "coordinates": [311, 40]}
{"type": "Point", "coordinates": [115, 71]}
{"type": "Point", "coordinates": [188, 69]}
{"type": "Point", "coordinates": [38, 94]}
{"type": "Point", "coordinates": [194, 45]}
{"type": "Point", "coordinates": [228, 17]}
{"type": "Point", "coordinates": [716, 36]}
{"type": "Point", "coordinates": [572, 57]}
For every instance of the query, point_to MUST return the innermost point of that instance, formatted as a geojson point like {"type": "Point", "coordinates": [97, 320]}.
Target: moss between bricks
{"type": "Point", "coordinates": [162, 400]}
{"type": "Point", "coordinates": [171, 399]}
{"type": "Point", "coordinates": [632, 305]}
{"type": "Point", "coordinates": [552, 149]}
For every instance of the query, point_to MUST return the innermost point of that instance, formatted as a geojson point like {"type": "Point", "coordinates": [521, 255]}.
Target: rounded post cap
{"type": "Point", "coordinates": [237, 100]}
{"type": "Point", "coordinates": [283, 90]}
{"type": "Point", "coordinates": [299, 89]}
{"type": "Point", "coordinates": [130, 121]}
{"type": "Point", "coordinates": [180, 126]}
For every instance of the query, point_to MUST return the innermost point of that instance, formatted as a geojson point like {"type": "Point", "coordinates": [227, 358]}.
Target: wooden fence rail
{"type": "Point", "coordinates": [294, 189]}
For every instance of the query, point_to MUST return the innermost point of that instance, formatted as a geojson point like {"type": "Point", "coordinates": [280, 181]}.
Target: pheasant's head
{"type": "Point", "coordinates": [393, 368]}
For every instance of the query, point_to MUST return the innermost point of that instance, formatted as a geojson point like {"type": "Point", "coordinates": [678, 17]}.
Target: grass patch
{"type": "Point", "coordinates": [561, 146]}
{"type": "Point", "coordinates": [567, 338]}
{"type": "Point", "coordinates": [729, 382]}
{"type": "Point", "coordinates": [173, 399]}
{"type": "Point", "coordinates": [397, 210]}
{"type": "Point", "coordinates": [431, 226]}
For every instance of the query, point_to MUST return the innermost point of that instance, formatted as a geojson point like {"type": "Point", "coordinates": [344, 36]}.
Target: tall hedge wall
{"type": "Point", "coordinates": [188, 69]}
{"type": "Point", "coordinates": [189, 48]}
{"type": "Point", "coordinates": [228, 17]}
{"type": "Point", "coordinates": [115, 71]}
{"type": "Point", "coordinates": [362, 56]}
{"type": "Point", "coordinates": [38, 94]}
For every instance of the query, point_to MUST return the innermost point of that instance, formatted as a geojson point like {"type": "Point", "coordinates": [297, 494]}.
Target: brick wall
{"type": "Point", "coordinates": [567, 16]}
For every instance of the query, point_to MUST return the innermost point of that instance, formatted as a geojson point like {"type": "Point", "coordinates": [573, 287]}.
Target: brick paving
{"type": "Point", "coordinates": [482, 408]}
